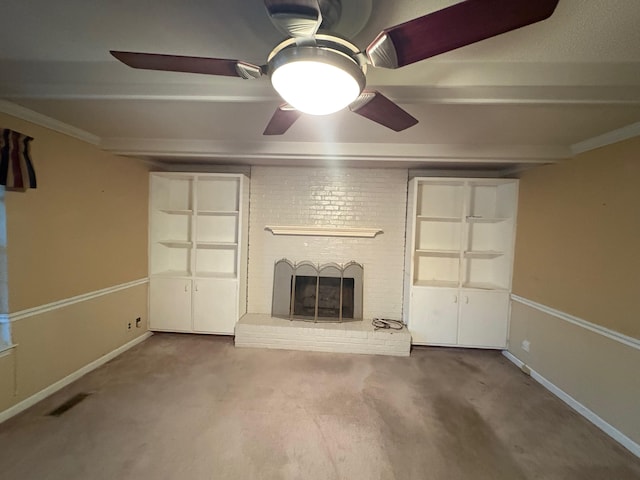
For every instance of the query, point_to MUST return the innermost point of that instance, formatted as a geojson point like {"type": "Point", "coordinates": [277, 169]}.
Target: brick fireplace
{"type": "Point", "coordinates": [336, 198]}
{"type": "Point", "coordinates": [329, 199]}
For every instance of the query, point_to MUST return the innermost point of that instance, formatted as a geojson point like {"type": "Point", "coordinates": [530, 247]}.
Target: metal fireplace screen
{"type": "Point", "coordinates": [318, 293]}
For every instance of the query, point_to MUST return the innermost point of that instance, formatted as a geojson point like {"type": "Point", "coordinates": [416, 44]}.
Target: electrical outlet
{"type": "Point", "coordinates": [526, 344]}
{"type": "Point", "coordinates": [128, 325]}
{"type": "Point", "coordinates": [138, 322]}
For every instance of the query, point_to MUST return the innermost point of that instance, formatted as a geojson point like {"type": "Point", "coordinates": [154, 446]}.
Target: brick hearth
{"type": "Point", "coordinates": [264, 331]}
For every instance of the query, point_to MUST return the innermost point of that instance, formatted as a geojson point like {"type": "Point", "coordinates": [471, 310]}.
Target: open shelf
{"type": "Point", "coordinates": [439, 253]}
{"type": "Point", "coordinates": [487, 270]}
{"type": "Point", "coordinates": [224, 213]}
{"type": "Point", "coordinates": [483, 286]}
{"type": "Point", "coordinates": [175, 211]}
{"type": "Point", "coordinates": [171, 256]}
{"type": "Point", "coordinates": [440, 200]}
{"type": "Point", "coordinates": [171, 227]}
{"type": "Point", "coordinates": [197, 251]}
{"type": "Point", "coordinates": [172, 193]}
{"type": "Point", "coordinates": [460, 235]}
{"type": "Point", "coordinates": [463, 232]}
{"type": "Point", "coordinates": [225, 245]}
{"type": "Point", "coordinates": [216, 259]}
{"type": "Point", "coordinates": [438, 235]}
{"type": "Point", "coordinates": [435, 283]}
{"type": "Point", "coordinates": [490, 199]}
{"type": "Point", "coordinates": [489, 237]}
{"type": "Point", "coordinates": [230, 275]}
{"type": "Point", "coordinates": [194, 225]}
{"type": "Point", "coordinates": [217, 229]}
{"type": "Point", "coordinates": [471, 219]}
{"type": "Point", "coordinates": [175, 243]}
{"type": "Point", "coordinates": [435, 269]}
{"type": "Point", "coordinates": [218, 194]}
{"type": "Point", "coordinates": [172, 273]}
{"type": "Point", "coordinates": [483, 254]}
{"type": "Point", "coordinates": [428, 218]}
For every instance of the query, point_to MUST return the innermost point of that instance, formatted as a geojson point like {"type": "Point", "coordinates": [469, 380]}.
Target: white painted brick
{"type": "Point", "coordinates": [262, 331]}
{"type": "Point", "coordinates": [334, 334]}
{"type": "Point", "coordinates": [339, 197]}
{"type": "Point", "coordinates": [357, 334]}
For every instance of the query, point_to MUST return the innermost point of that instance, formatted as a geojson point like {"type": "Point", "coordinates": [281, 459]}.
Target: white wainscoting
{"type": "Point", "coordinates": [557, 357]}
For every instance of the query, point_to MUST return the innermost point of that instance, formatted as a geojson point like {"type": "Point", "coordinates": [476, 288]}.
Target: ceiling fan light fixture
{"type": "Point", "coordinates": [316, 81]}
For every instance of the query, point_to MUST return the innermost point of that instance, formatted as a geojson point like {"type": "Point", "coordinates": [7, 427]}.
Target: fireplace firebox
{"type": "Point", "coordinates": [318, 293]}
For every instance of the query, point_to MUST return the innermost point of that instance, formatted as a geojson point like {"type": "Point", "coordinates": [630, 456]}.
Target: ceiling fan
{"type": "Point", "coordinates": [318, 72]}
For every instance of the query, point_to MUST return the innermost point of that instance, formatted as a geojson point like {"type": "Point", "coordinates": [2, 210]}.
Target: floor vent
{"type": "Point", "coordinates": [69, 404]}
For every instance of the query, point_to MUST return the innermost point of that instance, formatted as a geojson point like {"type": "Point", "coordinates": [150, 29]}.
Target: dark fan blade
{"type": "Point", "coordinates": [453, 27]}
{"type": "Point", "coordinates": [282, 119]}
{"type": "Point", "coordinates": [296, 18]}
{"type": "Point", "coordinates": [375, 106]}
{"type": "Point", "coordinates": [175, 63]}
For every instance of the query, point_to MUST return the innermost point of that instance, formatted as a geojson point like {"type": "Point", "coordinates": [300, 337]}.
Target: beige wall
{"type": "Point", "coordinates": [597, 371]}
{"type": "Point", "coordinates": [54, 344]}
{"type": "Point", "coordinates": [83, 229]}
{"type": "Point", "coordinates": [578, 234]}
{"type": "Point", "coordinates": [577, 252]}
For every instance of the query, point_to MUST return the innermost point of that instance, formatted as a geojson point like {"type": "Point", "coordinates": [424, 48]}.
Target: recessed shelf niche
{"type": "Point", "coordinates": [198, 223]}
{"type": "Point", "coordinates": [460, 246]}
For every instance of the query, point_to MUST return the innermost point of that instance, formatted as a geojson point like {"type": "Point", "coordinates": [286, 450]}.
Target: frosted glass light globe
{"type": "Point", "coordinates": [314, 87]}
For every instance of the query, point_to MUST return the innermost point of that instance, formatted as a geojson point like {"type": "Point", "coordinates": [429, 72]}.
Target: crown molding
{"type": "Point", "coordinates": [252, 93]}
{"type": "Point", "coordinates": [175, 150]}
{"type": "Point", "coordinates": [23, 113]}
{"type": "Point", "coordinates": [605, 139]}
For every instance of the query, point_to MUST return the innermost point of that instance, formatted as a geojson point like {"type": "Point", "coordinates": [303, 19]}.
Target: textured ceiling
{"type": "Point", "coordinates": [524, 96]}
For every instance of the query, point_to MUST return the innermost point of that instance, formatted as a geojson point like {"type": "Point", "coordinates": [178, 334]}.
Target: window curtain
{"type": "Point", "coordinates": [16, 168]}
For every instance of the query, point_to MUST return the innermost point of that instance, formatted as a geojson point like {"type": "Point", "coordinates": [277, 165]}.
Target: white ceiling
{"type": "Point", "coordinates": [524, 97]}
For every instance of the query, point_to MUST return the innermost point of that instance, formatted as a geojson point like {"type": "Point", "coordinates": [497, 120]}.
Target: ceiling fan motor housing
{"type": "Point", "coordinates": [319, 75]}
{"type": "Point", "coordinates": [323, 48]}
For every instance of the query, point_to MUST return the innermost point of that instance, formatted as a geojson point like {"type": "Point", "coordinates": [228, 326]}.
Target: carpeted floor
{"type": "Point", "coordinates": [194, 407]}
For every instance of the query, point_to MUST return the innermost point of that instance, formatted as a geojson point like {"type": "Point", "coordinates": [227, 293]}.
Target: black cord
{"type": "Point", "coordinates": [380, 323]}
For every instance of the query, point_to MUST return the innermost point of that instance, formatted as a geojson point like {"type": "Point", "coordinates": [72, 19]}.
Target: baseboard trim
{"type": "Point", "coordinates": [612, 334]}
{"type": "Point", "coordinates": [45, 392]}
{"type": "Point", "coordinates": [30, 312]}
{"type": "Point", "coordinates": [607, 428]}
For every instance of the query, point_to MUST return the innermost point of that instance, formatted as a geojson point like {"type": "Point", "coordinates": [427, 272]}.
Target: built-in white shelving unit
{"type": "Point", "coordinates": [198, 251]}
{"type": "Point", "coordinates": [459, 260]}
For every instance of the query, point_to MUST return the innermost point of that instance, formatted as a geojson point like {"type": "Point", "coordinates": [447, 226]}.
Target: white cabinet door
{"type": "Point", "coordinates": [215, 305]}
{"type": "Point", "coordinates": [434, 316]}
{"type": "Point", "coordinates": [170, 304]}
{"type": "Point", "coordinates": [484, 319]}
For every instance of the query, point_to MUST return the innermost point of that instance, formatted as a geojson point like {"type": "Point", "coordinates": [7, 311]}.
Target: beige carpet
{"type": "Point", "coordinates": [195, 407]}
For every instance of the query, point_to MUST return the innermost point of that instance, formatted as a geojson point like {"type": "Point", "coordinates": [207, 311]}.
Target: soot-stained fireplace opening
{"type": "Point", "coordinates": [318, 293]}
{"type": "Point", "coordinates": [327, 294]}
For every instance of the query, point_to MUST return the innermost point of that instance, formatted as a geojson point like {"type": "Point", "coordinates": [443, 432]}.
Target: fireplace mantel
{"type": "Point", "coordinates": [324, 231]}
